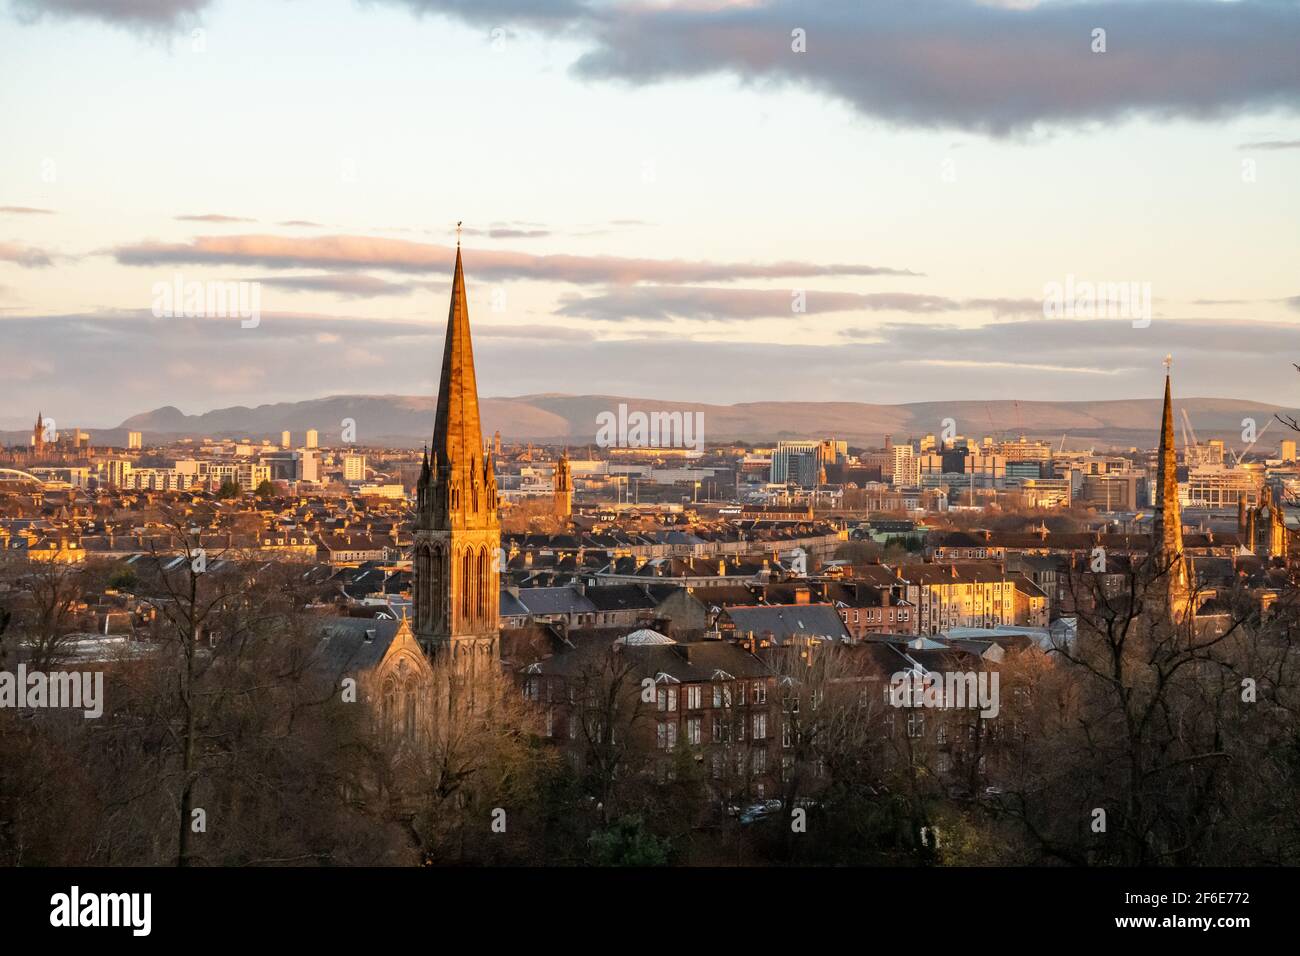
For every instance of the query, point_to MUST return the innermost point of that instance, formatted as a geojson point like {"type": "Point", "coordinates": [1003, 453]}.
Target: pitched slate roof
{"type": "Point", "coordinates": [350, 645]}
{"type": "Point", "coordinates": [783, 622]}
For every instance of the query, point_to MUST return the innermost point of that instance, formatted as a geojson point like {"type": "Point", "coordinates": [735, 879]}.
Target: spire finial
{"type": "Point", "coordinates": [458, 225]}
{"type": "Point", "coordinates": [1169, 363]}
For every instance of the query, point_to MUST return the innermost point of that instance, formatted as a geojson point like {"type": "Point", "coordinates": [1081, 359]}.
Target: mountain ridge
{"type": "Point", "coordinates": [560, 417]}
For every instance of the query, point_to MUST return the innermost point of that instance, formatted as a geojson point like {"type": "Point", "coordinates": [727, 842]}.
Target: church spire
{"type": "Point", "coordinates": [1167, 522]}
{"type": "Point", "coordinates": [457, 437]}
{"type": "Point", "coordinates": [457, 535]}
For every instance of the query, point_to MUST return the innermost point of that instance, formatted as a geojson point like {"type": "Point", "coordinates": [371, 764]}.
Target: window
{"type": "Point", "coordinates": [694, 697]}
{"type": "Point", "coordinates": [760, 692]}
{"type": "Point", "coordinates": [758, 761]}
{"type": "Point", "coordinates": [760, 726]}
{"type": "Point", "coordinates": [721, 730]}
{"type": "Point", "coordinates": [790, 702]}
{"type": "Point", "coordinates": [667, 698]}
{"type": "Point", "coordinates": [916, 723]}
{"type": "Point", "coordinates": [531, 689]}
{"type": "Point", "coordinates": [787, 735]}
{"type": "Point", "coordinates": [550, 722]}
{"type": "Point", "coordinates": [693, 730]}
{"type": "Point", "coordinates": [740, 693]}
{"type": "Point", "coordinates": [667, 737]}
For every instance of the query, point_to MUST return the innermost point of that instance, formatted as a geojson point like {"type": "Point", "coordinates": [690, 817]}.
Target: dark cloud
{"type": "Point", "coordinates": [957, 64]}
{"type": "Point", "coordinates": [369, 252]}
{"type": "Point", "coordinates": [136, 13]}
{"type": "Point", "coordinates": [661, 303]}
{"type": "Point", "coordinates": [545, 14]}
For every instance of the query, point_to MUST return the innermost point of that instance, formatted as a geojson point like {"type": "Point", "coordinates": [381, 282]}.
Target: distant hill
{"type": "Point", "coordinates": [571, 419]}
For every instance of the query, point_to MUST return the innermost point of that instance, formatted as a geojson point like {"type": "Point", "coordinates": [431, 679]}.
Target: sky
{"type": "Point", "coordinates": [840, 200]}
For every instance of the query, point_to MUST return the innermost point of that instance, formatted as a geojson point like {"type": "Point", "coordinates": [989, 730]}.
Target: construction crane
{"type": "Point", "coordinates": [1246, 451]}
{"type": "Point", "coordinates": [1061, 450]}
{"type": "Point", "coordinates": [1191, 444]}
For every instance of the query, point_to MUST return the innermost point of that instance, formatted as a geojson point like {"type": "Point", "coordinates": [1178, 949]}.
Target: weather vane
{"type": "Point", "coordinates": [1169, 362]}
{"type": "Point", "coordinates": [458, 232]}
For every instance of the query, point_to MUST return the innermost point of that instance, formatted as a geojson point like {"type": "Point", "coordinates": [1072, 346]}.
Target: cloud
{"type": "Point", "coordinates": [544, 14]}
{"type": "Point", "coordinates": [556, 333]}
{"type": "Point", "coordinates": [991, 67]}
{"type": "Point", "coordinates": [25, 211]}
{"type": "Point", "coordinates": [28, 257]}
{"type": "Point", "coordinates": [345, 285]}
{"type": "Point", "coordinates": [151, 14]}
{"type": "Point", "coordinates": [661, 303]}
{"type": "Point", "coordinates": [294, 356]}
{"type": "Point", "coordinates": [212, 217]}
{"type": "Point", "coordinates": [401, 255]}
{"type": "Point", "coordinates": [994, 68]}
{"type": "Point", "coordinates": [1273, 144]}
{"type": "Point", "coordinates": [300, 222]}
{"type": "Point", "coordinates": [510, 232]}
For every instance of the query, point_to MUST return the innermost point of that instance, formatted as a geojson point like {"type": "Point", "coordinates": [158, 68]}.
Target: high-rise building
{"type": "Point", "coordinates": [906, 467]}
{"type": "Point", "coordinates": [116, 471]}
{"type": "Point", "coordinates": [457, 528]}
{"type": "Point", "coordinates": [354, 467]}
{"type": "Point", "coordinates": [286, 441]}
{"type": "Point", "coordinates": [313, 438]}
{"type": "Point", "coordinates": [1288, 450]}
{"type": "Point", "coordinates": [134, 440]}
{"type": "Point", "coordinates": [796, 461]}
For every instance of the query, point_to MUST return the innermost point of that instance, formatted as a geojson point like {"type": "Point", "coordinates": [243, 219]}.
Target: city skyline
{"type": "Point", "coordinates": [657, 246]}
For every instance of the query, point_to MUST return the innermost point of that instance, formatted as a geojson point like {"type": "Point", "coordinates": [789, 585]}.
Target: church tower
{"type": "Point", "coordinates": [1167, 523]}
{"type": "Point", "coordinates": [563, 487]}
{"type": "Point", "coordinates": [457, 528]}
{"type": "Point", "coordinates": [38, 436]}
{"type": "Point", "coordinates": [1263, 529]}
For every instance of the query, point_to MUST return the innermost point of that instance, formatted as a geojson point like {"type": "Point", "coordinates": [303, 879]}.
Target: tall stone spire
{"type": "Point", "coordinates": [1167, 523]}
{"type": "Point", "coordinates": [457, 528]}
{"type": "Point", "coordinates": [457, 436]}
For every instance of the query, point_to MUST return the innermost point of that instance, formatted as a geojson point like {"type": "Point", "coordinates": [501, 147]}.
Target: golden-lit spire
{"type": "Point", "coordinates": [1167, 522]}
